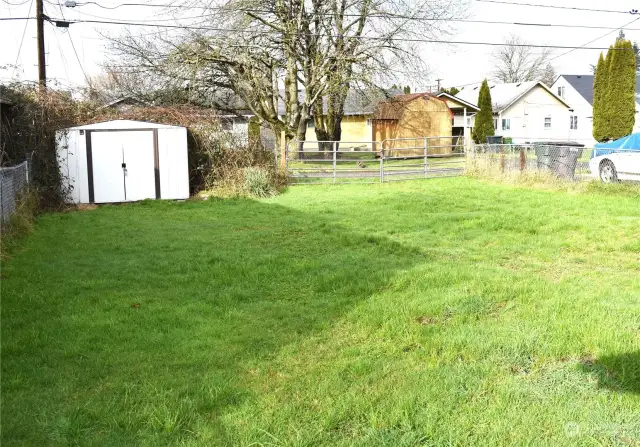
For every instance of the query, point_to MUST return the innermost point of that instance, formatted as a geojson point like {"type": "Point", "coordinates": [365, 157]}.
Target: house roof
{"type": "Point", "coordinates": [583, 84]}
{"type": "Point", "coordinates": [392, 108]}
{"type": "Point", "coordinates": [458, 100]}
{"type": "Point", "coordinates": [504, 96]}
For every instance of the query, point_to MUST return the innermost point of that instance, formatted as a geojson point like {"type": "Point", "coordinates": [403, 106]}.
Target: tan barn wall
{"type": "Point", "coordinates": [355, 133]}
{"type": "Point", "coordinates": [423, 117]}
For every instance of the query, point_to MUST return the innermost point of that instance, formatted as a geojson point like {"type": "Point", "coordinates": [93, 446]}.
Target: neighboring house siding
{"type": "Point", "coordinates": [526, 118]}
{"type": "Point", "coordinates": [581, 109]}
{"type": "Point", "coordinates": [458, 121]}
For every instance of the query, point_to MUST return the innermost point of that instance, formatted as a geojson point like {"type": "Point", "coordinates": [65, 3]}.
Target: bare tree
{"type": "Point", "coordinates": [549, 75]}
{"type": "Point", "coordinates": [282, 57]}
{"type": "Point", "coordinates": [516, 62]}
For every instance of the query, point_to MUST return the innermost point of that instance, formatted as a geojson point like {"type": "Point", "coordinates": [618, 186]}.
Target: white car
{"type": "Point", "coordinates": [620, 164]}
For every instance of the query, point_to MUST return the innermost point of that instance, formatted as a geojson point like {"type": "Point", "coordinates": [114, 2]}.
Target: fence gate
{"type": "Point", "coordinates": [314, 162]}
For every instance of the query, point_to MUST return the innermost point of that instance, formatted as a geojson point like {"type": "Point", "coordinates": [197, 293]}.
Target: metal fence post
{"type": "Point", "coordinates": [335, 149]}
{"type": "Point", "coordinates": [382, 162]}
{"type": "Point", "coordinates": [425, 157]}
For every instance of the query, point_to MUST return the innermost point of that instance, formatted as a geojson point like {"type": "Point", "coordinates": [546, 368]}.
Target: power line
{"type": "Point", "coordinates": [24, 31]}
{"type": "Point", "coordinates": [571, 50]}
{"type": "Point", "coordinates": [572, 8]}
{"type": "Point", "coordinates": [15, 4]}
{"type": "Point", "coordinates": [633, 11]}
{"type": "Point", "coordinates": [488, 22]}
{"type": "Point", "coordinates": [374, 15]}
{"type": "Point", "coordinates": [591, 41]}
{"type": "Point", "coordinates": [381, 38]}
{"type": "Point", "coordinates": [86, 78]}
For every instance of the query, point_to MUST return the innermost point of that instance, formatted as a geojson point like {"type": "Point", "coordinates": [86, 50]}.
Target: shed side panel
{"type": "Point", "coordinates": [173, 163]}
{"type": "Point", "coordinates": [72, 159]}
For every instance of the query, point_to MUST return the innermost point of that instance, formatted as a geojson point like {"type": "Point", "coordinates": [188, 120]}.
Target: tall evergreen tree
{"type": "Point", "coordinates": [599, 85]}
{"type": "Point", "coordinates": [605, 106]}
{"type": "Point", "coordinates": [620, 92]}
{"type": "Point", "coordinates": [484, 118]}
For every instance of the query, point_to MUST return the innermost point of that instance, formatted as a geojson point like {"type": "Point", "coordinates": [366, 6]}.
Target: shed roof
{"type": "Point", "coordinates": [123, 124]}
{"type": "Point", "coordinates": [393, 108]}
{"type": "Point", "coordinates": [504, 96]}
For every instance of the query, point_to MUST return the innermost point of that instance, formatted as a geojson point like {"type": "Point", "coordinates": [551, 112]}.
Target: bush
{"type": "Point", "coordinates": [258, 182]}
{"type": "Point", "coordinates": [21, 222]}
{"type": "Point", "coordinates": [29, 134]}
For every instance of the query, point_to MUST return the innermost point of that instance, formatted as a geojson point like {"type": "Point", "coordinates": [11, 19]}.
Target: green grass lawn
{"type": "Point", "coordinates": [437, 312]}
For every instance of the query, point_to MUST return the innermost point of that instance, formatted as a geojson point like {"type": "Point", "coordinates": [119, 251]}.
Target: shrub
{"type": "Point", "coordinates": [258, 182]}
{"type": "Point", "coordinates": [21, 222]}
{"type": "Point", "coordinates": [30, 134]}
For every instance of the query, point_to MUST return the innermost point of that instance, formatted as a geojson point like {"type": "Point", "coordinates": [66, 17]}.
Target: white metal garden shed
{"type": "Point", "coordinates": [124, 161]}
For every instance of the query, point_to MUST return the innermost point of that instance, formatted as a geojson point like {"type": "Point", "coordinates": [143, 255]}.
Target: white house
{"type": "Point", "coordinates": [525, 111]}
{"type": "Point", "coordinates": [577, 90]}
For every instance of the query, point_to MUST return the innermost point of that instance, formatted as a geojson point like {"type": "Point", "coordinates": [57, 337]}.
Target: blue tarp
{"type": "Point", "coordinates": [628, 143]}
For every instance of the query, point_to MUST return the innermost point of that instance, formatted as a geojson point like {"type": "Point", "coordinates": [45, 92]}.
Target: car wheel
{"type": "Point", "coordinates": [608, 172]}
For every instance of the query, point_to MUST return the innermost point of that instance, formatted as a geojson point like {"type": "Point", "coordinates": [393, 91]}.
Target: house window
{"type": "Point", "coordinates": [506, 124]}
{"type": "Point", "coordinates": [495, 123]}
{"type": "Point", "coordinates": [573, 124]}
{"type": "Point", "coordinates": [468, 122]}
{"type": "Point", "coordinates": [547, 122]}
{"type": "Point", "coordinates": [561, 91]}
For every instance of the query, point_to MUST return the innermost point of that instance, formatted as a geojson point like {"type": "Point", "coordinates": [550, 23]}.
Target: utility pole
{"type": "Point", "coordinates": [438, 80]}
{"type": "Point", "coordinates": [42, 68]}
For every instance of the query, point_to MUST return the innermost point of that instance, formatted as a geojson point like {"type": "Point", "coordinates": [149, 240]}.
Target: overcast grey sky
{"type": "Point", "coordinates": [455, 64]}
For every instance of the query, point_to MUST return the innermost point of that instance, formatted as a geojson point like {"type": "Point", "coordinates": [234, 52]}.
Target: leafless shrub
{"type": "Point", "coordinates": [29, 134]}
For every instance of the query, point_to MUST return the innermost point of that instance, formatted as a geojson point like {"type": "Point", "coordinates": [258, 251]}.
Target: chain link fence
{"type": "Point", "coordinates": [318, 162]}
{"type": "Point", "coordinates": [13, 180]}
{"type": "Point", "coordinates": [564, 162]}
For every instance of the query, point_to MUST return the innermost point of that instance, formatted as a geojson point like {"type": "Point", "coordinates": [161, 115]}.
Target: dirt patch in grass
{"type": "Point", "coordinates": [427, 320]}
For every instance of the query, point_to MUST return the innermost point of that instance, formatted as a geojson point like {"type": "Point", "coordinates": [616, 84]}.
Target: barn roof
{"type": "Point", "coordinates": [393, 108]}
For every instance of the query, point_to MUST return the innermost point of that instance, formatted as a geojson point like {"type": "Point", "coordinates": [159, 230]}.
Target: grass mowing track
{"type": "Point", "coordinates": [448, 311]}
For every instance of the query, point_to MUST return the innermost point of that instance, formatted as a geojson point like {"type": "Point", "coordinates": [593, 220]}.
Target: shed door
{"type": "Point", "coordinates": [123, 166]}
{"type": "Point", "coordinates": [107, 159]}
{"type": "Point", "coordinates": [140, 176]}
